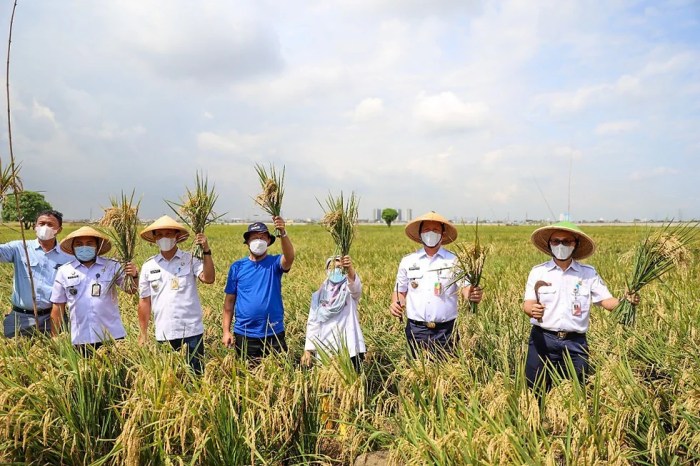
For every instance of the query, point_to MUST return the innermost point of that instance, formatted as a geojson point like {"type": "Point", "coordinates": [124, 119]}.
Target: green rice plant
{"type": "Point", "coordinates": [196, 209]}
{"type": "Point", "coordinates": [659, 253]}
{"type": "Point", "coordinates": [340, 219]}
{"type": "Point", "coordinates": [272, 185]}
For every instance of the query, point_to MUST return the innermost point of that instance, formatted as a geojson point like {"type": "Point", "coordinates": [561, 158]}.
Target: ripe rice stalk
{"type": "Point", "coordinates": [272, 184]}
{"type": "Point", "coordinates": [120, 223]}
{"type": "Point", "coordinates": [197, 208]}
{"type": "Point", "coordinates": [340, 219]}
{"type": "Point", "coordinates": [469, 264]}
{"type": "Point", "coordinates": [660, 252]}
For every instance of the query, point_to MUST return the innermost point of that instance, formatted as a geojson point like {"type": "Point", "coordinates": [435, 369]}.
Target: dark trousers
{"type": "Point", "coordinates": [194, 348]}
{"type": "Point", "coordinates": [440, 341]}
{"type": "Point", "coordinates": [548, 350]}
{"type": "Point", "coordinates": [257, 348]}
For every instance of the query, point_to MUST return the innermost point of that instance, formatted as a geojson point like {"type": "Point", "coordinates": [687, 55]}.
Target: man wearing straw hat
{"type": "Point", "coordinates": [86, 286]}
{"type": "Point", "coordinates": [254, 290]}
{"type": "Point", "coordinates": [168, 288]}
{"type": "Point", "coordinates": [45, 257]}
{"type": "Point", "coordinates": [425, 289]}
{"type": "Point", "coordinates": [558, 298]}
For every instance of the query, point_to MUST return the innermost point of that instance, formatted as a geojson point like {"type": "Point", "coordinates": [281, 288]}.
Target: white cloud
{"type": "Point", "coordinates": [616, 127]}
{"type": "Point", "coordinates": [656, 172]}
{"type": "Point", "coordinates": [445, 112]}
{"type": "Point", "coordinates": [42, 112]}
{"type": "Point", "coordinates": [368, 109]}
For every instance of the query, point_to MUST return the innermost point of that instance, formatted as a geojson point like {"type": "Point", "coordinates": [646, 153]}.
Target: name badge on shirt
{"type": "Point", "coordinates": [96, 289]}
{"type": "Point", "coordinates": [174, 284]}
{"type": "Point", "coordinates": [154, 275]}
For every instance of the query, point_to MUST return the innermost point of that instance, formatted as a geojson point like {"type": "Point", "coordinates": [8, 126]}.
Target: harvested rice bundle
{"type": "Point", "coordinates": [469, 263]}
{"type": "Point", "coordinates": [662, 250]}
{"type": "Point", "coordinates": [272, 184]}
{"type": "Point", "coordinates": [120, 223]}
{"type": "Point", "coordinates": [197, 209]}
{"type": "Point", "coordinates": [340, 219]}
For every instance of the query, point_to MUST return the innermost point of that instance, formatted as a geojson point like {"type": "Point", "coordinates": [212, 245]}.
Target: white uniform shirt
{"type": "Point", "coordinates": [567, 302]}
{"type": "Point", "coordinates": [172, 287]}
{"type": "Point", "coordinates": [431, 295]}
{"type": "Point", "coordinates": [94, 311]}
{"type": "Point", "coordinates": [345, 325]}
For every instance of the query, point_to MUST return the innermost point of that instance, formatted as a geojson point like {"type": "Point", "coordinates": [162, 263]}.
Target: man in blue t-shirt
{"type": "Point", "coordinates": [254, 289]}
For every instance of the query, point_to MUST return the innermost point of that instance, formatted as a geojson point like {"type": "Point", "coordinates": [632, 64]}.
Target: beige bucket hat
{"type": "Point", "coordinates": [164, 223]}
{"type": "Point", "coordinates": [585, 247]}
{"type": "Point", "coordinates": [413, 228]}
{"type": "Point", "coordinates": [102, 240]}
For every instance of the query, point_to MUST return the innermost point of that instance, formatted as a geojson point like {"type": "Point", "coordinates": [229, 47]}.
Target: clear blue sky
{"type": "Point", "coordinates": [449, 105]}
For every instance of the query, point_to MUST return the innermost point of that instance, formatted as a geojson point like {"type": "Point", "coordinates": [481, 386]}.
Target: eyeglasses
{"type": "Point", "coordinates": [565, 242]}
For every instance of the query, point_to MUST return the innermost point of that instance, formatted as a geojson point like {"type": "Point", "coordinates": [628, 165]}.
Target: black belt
{"type": "Point", "coordinates": [39, 312]}
{"type": "Point", "coordinates": [559, 334]}
{"type": "Point", "coordinates": [432, 325]}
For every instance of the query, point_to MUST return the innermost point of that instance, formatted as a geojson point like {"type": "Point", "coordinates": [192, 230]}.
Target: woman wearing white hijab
{"type": "Point", "coordinates": [333, 319]}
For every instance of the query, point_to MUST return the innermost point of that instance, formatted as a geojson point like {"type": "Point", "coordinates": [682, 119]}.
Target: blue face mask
{"type": "Point", "coordinates": [85, 253]}
{"type": "Point", "coordinates": [336, 276]}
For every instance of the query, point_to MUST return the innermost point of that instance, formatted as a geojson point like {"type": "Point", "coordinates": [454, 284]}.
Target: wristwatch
{"type": "Point", "coordinates": [206, 253]}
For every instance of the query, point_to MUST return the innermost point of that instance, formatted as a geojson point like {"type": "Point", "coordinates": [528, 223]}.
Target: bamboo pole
{"type": "Point", "coordinates": [15, 182]}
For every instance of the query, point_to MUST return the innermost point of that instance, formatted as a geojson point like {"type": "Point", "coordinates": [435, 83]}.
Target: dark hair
{"type": "Point", "coordinates": [53, 213]}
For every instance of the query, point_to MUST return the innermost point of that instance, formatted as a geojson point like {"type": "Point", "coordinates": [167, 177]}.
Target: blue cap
{"type": "Point", "coordinates": [256, 228]}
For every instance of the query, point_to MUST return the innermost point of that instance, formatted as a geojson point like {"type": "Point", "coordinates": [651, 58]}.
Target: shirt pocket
{"type": "Point", "coordinates": [547, 295]}
{"type": "Point", "coordinates": [581, 302]}
{"type": "Point", "coordinates": [182, 276]}
{"type": "Point", "coordinates": [33, 262]}
{"type": "Point", "coordinates": [414, 278]}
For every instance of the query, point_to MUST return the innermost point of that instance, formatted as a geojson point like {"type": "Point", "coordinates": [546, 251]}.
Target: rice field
{"type": "Point", "coordinates": [141, 406]}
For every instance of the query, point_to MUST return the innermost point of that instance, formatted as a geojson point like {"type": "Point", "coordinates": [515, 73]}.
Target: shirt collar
{"type": "Point", "coordinates": [99, 260]}
{"type": "Point", "coordinates": [34, 244]}
{"type": "Point", "coordinates": [573, 266]}
{"type": "Point", "coordinates": [440, 253]}
{"type": "Point", "coordinates": [178, 255]}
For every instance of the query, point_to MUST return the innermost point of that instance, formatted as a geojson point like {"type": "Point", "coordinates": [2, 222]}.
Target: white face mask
{"type": "Point", "coordinates": [430, 238]}
{"type": "Point", "coordinates": [562, 252]}
{"type": "Point", "coordinates": [45, 232]}
{"type": "Point", "coordinates": [258, 247]}
{"type": "Point", "coordinates": [166, 244]}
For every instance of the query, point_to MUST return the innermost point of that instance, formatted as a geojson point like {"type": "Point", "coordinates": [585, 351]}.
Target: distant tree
{"type": "Point", "coordinates": [30, 204]}
{"type": "Point", "coordinates": [389, 215]}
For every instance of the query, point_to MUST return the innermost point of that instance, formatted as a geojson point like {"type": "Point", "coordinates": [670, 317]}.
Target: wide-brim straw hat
{"type": "Point", "coordinates": [585, 247]}
{"type": "Point", "coordinates": [102, 240]}
{"type": "Point", "coordinates": [165, 223]}
{"type": "Point", "coordinates": [413, 227]}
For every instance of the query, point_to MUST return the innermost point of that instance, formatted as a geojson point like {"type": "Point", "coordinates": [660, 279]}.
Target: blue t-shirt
{"type": "Point", "coordinates": [258, 289]}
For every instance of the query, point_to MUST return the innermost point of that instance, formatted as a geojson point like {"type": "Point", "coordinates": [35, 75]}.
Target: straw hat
{"type": "Point", "coordinates": [67, 243]}
{"type": "Point", "coordinates": [164, 223]}
{"type": "Point", "coordinates": [413, 228]}
{"type": "Point", "coordinates": [540, 238]}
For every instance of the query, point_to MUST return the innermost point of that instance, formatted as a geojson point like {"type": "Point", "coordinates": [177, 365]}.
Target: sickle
{"type": "Point", "coordinates": [539, 284]}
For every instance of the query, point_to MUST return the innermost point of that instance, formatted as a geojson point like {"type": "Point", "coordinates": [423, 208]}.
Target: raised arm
{"type": "Point", "coordinates": [287, 247]}
{"type": "Point", "coordinates": [208, 274]}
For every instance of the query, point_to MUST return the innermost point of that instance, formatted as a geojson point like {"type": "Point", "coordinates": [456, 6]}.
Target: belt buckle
{"type": "Point", "coordinates": [430, 325]}
{"type": "Point", "coordinates": [562, 335]}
